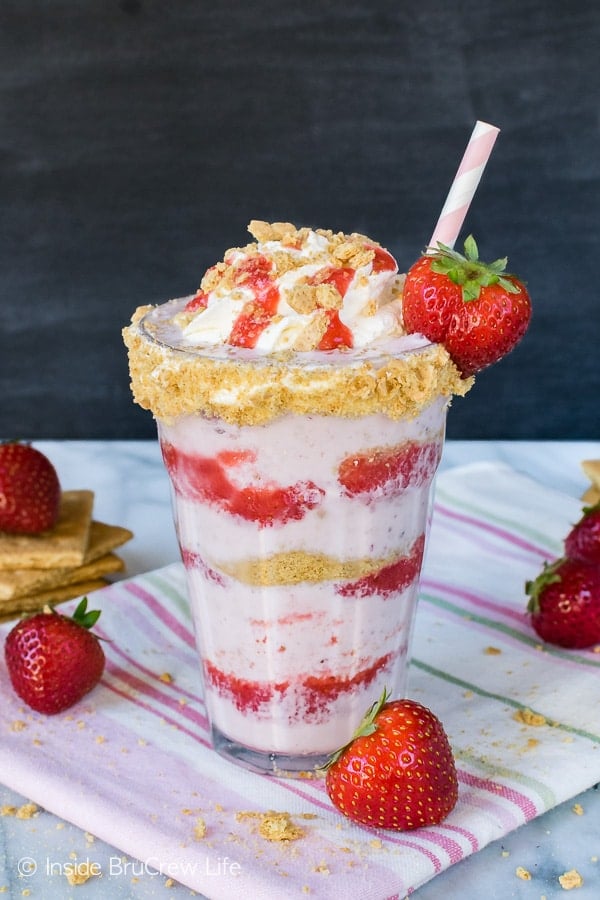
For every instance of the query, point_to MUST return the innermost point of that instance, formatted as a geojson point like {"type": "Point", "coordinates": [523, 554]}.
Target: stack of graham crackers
{"type": "Point", "coordinates": [69, 560]}
{"type": "Point", "coordinates": [591, 467]}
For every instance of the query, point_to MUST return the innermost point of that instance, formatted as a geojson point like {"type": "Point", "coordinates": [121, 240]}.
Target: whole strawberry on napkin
{"type": "Point", "coordinates": [54, 660]}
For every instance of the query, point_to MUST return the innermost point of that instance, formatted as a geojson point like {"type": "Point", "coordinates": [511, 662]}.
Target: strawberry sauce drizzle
{"type": "Point", "coordinates": [383, 261]}
{"type": "Point", "coordinates": [337, 334]}
{"type": "Point", "coordinates": [255, 273]}
{"type": "Point", "coordinates": [339, 276]}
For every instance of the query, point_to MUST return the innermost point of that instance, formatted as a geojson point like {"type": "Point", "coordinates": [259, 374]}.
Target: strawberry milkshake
{"type": "Point", "coordinates": [301, 428]}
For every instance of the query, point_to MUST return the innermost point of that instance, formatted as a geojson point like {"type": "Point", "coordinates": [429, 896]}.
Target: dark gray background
{"type": "Point", "coordinates": [138, 138]}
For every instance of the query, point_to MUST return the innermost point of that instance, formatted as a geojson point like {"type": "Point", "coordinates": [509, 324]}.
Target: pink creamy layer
{"type": "Point", "coordinates": [292, 668]}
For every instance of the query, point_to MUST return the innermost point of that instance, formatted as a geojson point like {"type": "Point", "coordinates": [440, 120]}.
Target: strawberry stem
{"type": "Point", "coordinates": [468, 271]}
{"type": "Point", "coordinates": [366, 727]}
{"type": "Point", "coordinates": [534, 588]}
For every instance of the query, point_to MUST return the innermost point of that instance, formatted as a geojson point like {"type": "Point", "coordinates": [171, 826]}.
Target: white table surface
{"type": "Point", "coordinates": [131, 489]}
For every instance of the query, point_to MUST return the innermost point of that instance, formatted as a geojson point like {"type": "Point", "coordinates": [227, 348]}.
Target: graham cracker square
{"type": "Point", "coordinates": [64, 545]}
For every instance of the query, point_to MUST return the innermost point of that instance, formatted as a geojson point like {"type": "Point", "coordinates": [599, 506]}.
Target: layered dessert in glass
{"type": "Point", "coordinates": [301, 429]}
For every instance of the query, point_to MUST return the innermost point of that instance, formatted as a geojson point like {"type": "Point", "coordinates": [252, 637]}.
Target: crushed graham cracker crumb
{"type": "Point", "coordinates": [312, 333]}
{"type": "Point", "coordinates": [79, 873]}
{"type": "Point", "coordinates": [199, 829]}
{"type": "Point", "coordinates": [274, 826]}
{"type": "Point", "coordinates": [322, 869]}
{"type": "Point", "coordinates": [571, 879]}
{"type": "Point", "coordinates": [27, 811]}
{"type": "Point", "coordinates": [271, 231]}
{"type": "Point", "coordinates": [527, 717]}
{"type": "Point", "coordinates": [522, 873]}
{"type": "Point", "coordinates": [18, 725]}
{"type": "Point", "coordinates": [303, 298]}
{"type": "Point", "coordinates": [328, 296]}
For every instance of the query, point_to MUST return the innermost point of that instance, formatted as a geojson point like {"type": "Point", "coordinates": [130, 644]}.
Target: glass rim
{"type": "Point", "coordinates": [156, 326]}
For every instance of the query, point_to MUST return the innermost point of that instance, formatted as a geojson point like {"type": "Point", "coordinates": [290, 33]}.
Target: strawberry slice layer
{"type": "Point", "coordinates": [384, 470]}
{"type": "Point", "coordinates": [313, 693]}
{"type": "Point", "coordinates": [219, 480]}
{"type": "Point", "coordinates": [319, 691]}
{"type": "Point", "coordinates": [390, 579]}
{"type": "Point", "coordinates": [247, 695]}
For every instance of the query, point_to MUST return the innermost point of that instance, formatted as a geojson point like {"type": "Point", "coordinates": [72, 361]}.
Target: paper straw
{"type": "Point", "coordinates": [464, 185]}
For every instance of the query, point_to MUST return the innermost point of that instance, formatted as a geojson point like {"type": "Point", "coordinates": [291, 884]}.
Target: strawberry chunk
{"type": "Point", "coordinates": [390, 579]}
{"type": "Point", "coordinates": [217, 480]}
{"type": "Point", "coordinates": [385, 470]}
{"type": "Point", "coordinates": [198, 301]}
{"type": "Point", "coordinates": [320, 691]}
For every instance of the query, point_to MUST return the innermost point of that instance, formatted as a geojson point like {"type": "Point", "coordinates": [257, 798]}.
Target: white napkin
{"type": "Point", "coordinates": [132, 762]}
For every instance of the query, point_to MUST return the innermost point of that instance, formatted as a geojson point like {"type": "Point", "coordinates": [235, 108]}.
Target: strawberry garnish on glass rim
{"type": "Point", "coordinates": [468, 271]}
{"type": "Point", "coordinates": [477, 310]}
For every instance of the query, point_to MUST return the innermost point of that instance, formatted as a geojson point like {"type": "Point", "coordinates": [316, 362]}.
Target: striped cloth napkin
{"type": "Point", "coordinates": [132, 763]}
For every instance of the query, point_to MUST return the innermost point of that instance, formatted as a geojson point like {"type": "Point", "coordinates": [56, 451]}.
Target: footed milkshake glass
{"type": "Point", "coordinates": [302, 489]}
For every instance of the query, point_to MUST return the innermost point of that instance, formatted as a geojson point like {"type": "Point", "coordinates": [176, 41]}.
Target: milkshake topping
{"type": "Point", "coordinates": [302, 321]}
{"type": "Point", "coordinates": [298, 289]}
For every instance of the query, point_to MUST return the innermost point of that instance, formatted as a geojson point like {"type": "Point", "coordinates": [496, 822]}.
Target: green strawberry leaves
{"type": "Point", "coordinates": [366, 727]}
{"type": "Point", "coordinates": [534, 589]}
{"type": "Point", "coordinates": [468, 271]}
{"type": "Point", "coordinates": [83, 617]}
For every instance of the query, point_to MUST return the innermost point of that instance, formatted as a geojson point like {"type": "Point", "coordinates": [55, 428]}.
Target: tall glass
{"type": "Point", "coordinates": [302, 538]}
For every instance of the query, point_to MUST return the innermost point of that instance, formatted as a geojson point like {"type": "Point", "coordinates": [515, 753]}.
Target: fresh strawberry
{"type": "Point", "coordinates": [564, 603]}
{"type": "Point", "coordinates": [476, 310]}
{"type": "Point", "coordinates": [54, 660]}
{"type": "Point", "coordinates": [29, 489]}
{"type": "Point", "coordinates": [583, 541]}
{"type": "Point", "coordinates": [398, 771]}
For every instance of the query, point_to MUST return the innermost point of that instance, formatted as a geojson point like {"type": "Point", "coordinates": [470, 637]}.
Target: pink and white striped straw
{"type": "Point", "coordinates": [464, 185]}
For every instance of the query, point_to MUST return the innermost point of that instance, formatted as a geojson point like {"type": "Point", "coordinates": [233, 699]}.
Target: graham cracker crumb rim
{"type": "Point", "coordinates": [242, 388]}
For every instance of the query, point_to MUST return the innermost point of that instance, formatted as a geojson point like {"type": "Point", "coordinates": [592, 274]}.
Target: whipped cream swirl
{"type": "Point", "coordinates": [297, 289]}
